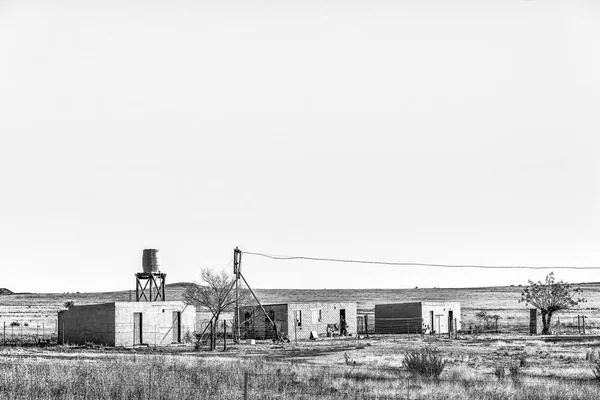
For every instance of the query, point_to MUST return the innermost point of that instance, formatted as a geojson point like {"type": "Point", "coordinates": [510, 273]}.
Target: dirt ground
{"type": "Point", "coordinates": [475, 356]}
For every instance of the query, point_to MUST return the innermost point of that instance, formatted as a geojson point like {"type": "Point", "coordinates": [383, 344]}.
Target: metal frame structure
{"type": "Point", "coordinates": [150, 286]}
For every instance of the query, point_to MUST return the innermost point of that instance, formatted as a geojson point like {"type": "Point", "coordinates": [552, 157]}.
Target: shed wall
{"type": "Point", "coordinates": [255, 325]}
{"type": "Point", "coordinates": [330, 317]}
{"type": "Point", "coordinates": [157, 328]}
{"type": "Point", "coordinates": [441, 312]}
{"type": "Point", "coordinates": [87, 323]}
{"type": "Point", "coordinates": [398, 318]}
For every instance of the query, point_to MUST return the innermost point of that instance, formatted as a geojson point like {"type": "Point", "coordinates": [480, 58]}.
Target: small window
{"type": "Point", "coordinates": [316, 316]}
{"type": "Point", "coordinates": [298, 317]}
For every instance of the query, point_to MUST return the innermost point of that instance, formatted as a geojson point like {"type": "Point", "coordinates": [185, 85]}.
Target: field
{"type": "Point", "coordinates": [554, 367]}
{"type": "Point", "coordinates": [39, 310]}
{"type": "Point", "coordinates": [351, 368]}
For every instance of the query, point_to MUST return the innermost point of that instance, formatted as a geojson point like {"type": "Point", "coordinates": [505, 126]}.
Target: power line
{"type": "Point", "coordinates": [411, 264]}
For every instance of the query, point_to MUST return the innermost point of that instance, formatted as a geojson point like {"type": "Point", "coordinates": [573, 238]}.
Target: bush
{"type": "Point", "coordinates": [426, 362]}
{"type": "Point", "coordinates": [523, 361]}
{"type": "Point", "coordinates": [515, 373]}
{"type": "Point", "coordinates": [596, 369]}
{"type": "Point", "coordinates": [500, 373]}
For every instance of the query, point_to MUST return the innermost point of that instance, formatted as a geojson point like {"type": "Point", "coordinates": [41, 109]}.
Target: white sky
{"type": "Point", "coordinates": [423, 131]}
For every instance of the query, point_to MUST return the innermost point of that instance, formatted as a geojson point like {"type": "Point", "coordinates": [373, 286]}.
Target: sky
{"type": "Point", "coordinates": [462, 132]}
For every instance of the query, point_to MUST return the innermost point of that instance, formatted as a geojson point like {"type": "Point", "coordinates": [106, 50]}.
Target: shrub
{"type": "Point", "coordinates": [515, 373]}
{"type": "Point", "coordinates": [69, 303]}
{"type": "Point", "coordinates": [596, 369]}
{"type": "Point", "coordinates": [426, 362]}
{"type": "Point", "coordinates": [15, 323]}
{"type": "Point", "coordinates": [349, 361]}
{"type": "Point", "coordinates": [500, 373]}
{"type": "Point", "coordinates": [590, 355]}
{"type": "Point", "coordinates": [523, 361]}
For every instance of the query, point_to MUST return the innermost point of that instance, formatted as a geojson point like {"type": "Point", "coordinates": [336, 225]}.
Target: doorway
{"type": "Point", "coordinates": [177, 326]}
{"type": "Point", "coordinates": [450, 321]}
{"type": "Point", "coordinates": [431, 326]}
{"type": "Point", "coordinates": [137, 328]}
{"type": "Point", "coordinates": [343, 330]}
{"type": "Point", "coordinates": [269, 328]}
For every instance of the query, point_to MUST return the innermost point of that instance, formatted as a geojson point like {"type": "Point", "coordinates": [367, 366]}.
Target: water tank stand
{"type": "Point", "coordinates": [150, 286]}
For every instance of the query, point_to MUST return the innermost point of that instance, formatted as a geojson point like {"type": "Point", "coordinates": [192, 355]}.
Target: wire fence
{"type": "Point", "coordinates": [24, 333]}
{"type": "Point", "coordinates": [304, 326]}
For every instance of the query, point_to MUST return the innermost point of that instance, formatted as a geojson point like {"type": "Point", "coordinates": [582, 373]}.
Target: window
{"type": "Point", "coordinates": [316, 316]}
{"type": "Point", "coordinates": [298, 318]}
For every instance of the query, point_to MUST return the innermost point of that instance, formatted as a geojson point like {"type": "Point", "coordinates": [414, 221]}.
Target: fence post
{"type": "Point", "coordinates": [212, 336]}
{"type": "Point", "coordinates": [150, 383]}
{"type": "Point", "coordinates": [245, 385]}
{"type": "Point", "coordinates": [224, 335]}
{"type": "Point", "coordinates": [583, 324]}
{"type": "Point", "coordinates": [43, 332]}
{"type": "Point", "coordinates": [578, 325]}
{"type": "Point", "coordinates": [456, 328]}
{"type": "Point", "coordinates": [367, 325]}
{"type": "Point", "coordinates": [4, 332]}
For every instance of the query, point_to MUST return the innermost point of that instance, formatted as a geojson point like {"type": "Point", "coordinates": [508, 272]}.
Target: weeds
{"type": "Point", "coordinates": [523, 360]}
{"type": "Point", "coordinates": [515, 373]}
{"type": "Point", "coordinates": [426, 362]}
{"type": "Point", "coordinates": [349, 361]}
{"type": "Point", "coordinates": [500, 373]}
{"type": "Point", "coordinates": [590, 356]}
{"type": "Point", "coordinates": [596, 369]}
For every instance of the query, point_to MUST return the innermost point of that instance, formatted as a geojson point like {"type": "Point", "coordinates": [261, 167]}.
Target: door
{"type": "Point", "coordinates": [137, 328]}
{"type": "Point", "coordinates": [269, 328]}
{"type": "Point", "coordinates": [431, 326]}
{"type": "Point", "coordinates": [176, 326]}
{"type": "Point", "coordinates": [343, 330]}
{"type": "Point", "coordinates": [438, 323]}
{"type": "Point", "coordinates": [450, 321]}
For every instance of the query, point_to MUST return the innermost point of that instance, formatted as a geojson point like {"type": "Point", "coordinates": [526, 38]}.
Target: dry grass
{"type": "Point", "coordinates": [311, 370]}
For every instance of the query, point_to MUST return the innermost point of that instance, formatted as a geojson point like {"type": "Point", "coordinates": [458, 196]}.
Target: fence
{"type": "Point", "coordinates": [22, 333]}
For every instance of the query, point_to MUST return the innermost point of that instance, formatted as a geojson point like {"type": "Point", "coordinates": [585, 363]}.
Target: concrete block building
{"type": "Point", "coordinates": [296, 321]}
{"type": "Point", "coordinates": [418, 317]}
{"type": "Point", "coordinates": [127, 323]}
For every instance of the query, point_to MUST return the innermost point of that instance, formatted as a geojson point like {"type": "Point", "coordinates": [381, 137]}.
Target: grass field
{"type": "Point", "coordinates": [553, 367]}
{"type": "Point", "coordinates": [344, 368]}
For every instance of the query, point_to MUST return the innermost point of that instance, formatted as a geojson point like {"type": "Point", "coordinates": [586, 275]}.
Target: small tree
{"type": "Point", "coordinates": [69, 303]}
{"type": "Point", "coordinates": [550, 297]}
{"type": "Point", "coordinates": [215, 292]}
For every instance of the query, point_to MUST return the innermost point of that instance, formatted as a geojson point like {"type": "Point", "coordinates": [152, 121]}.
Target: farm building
{"type": "Point", "coordinates": [418, 317]}
{"type": "Point", "coordinates": [298, 320]}
{"type": "Point", "coordinates": [127, 323]}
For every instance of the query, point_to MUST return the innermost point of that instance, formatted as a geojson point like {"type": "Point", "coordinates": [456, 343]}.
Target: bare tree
{"type": "Point", "coordinates": [550, 297]}
{"type": "Point", "coordinates": [216, 292]}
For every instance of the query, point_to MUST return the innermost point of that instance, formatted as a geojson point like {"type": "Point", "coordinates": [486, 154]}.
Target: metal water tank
{"type": "Point", "coordinates": [151, 261]}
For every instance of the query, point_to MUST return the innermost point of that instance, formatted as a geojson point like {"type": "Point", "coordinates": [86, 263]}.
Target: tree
{"type": "Point", "coordinates": [69, 303]}
{"type": "Point", "coordinates": [215, 292]}
{"type": "Point", "coordinates": [550, 297]}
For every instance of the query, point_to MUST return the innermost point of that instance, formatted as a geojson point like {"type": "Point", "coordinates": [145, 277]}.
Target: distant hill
{"type": "Point", "coordinates": [5, 291]}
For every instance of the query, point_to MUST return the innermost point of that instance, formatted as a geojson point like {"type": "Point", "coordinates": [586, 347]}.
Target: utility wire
{"type": "Point", "coordinates": [411, 264]}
